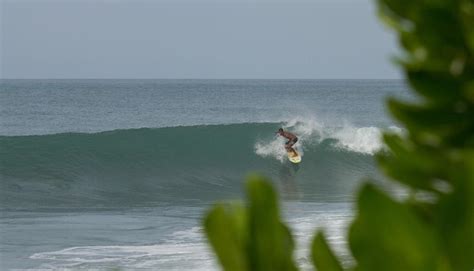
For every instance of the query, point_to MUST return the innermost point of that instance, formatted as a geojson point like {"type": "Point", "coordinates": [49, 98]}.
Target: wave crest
{"type": "Point", "coordinates": [143, 166]}
{"type": "Point", "coordinates": [310, 132]}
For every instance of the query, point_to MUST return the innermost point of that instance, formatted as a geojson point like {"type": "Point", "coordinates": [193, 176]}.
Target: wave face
{"type": "Point", "coordinates": [146, 166]}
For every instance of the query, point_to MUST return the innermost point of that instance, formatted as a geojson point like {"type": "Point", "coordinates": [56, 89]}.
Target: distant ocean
{"type": "Point", "coordinates": [101, 174]}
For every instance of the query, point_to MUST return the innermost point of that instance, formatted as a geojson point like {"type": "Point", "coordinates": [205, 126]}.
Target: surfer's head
{"type": "Point", "coordinates": [280, 131]}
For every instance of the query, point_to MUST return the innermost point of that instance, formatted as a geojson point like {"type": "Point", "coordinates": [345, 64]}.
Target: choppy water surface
{"type": "Point", "coordinates": [118, 173]}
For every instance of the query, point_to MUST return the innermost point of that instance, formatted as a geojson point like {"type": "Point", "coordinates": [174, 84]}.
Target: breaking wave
{"type": "Point", "coordinates": [191, 163]}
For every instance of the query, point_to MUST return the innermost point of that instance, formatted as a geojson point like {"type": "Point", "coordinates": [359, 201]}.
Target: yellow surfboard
{"type": "Point", "coordinates": [294, 157]}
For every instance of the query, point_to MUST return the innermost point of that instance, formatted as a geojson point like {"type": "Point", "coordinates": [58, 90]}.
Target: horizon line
{"type": "Point", "coordinates": [148, 78]}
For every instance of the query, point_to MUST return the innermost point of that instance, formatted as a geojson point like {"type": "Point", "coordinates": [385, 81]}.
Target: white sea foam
{"type": "Point", "coordinates": [366, 140]}
{"type": "Point", "coordinates": [363, 140]}
{"type": "Point", "coordinates": [188, 250]}
{"type": "Point", "coordinates": [306, 131]}
{"type": "Point", "coordinates": [182, 250]}
{"type": "Point", "coordinates": [304, 219]}
{"type": "Point", "coordinates": [274, 148]}
{"type": "Point", "coordinates": [130, 256]}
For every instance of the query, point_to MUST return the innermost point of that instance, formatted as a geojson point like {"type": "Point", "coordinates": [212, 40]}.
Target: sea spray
{"type": "Point", "coordinates": [365, 140]}
{"type": "Point", "coordinates": [274, 149]}
{"type": "Point", "coordinates": [346, 137]}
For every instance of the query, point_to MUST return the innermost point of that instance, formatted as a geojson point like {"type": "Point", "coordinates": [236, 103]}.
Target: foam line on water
{"type": "Point", "coordinates": [333, 218]}
{"type": "Point", "coordinates": [180, 250]}
{"type": "Point", "coordinates": [187, 249]}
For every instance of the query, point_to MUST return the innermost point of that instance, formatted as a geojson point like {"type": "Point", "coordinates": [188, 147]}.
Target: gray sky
{"type": "Point", "coordinates": [194, 39]}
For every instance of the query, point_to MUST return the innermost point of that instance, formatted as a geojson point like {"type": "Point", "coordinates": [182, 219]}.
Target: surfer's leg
{"type": "Point", "coordinates": [288, 145]}
{"type": "Point", "coordinates": [293, 142]}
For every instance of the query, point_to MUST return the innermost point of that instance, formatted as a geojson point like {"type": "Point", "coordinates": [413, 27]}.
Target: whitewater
{"type": "Point", "coordinates": [99, 174]}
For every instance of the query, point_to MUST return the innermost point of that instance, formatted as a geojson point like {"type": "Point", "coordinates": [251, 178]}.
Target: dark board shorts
{"type": "Point", "coordinates": [292, 142]}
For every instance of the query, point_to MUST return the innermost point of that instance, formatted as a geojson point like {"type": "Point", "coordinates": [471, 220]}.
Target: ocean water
{"type": "Point", "coordinates": [99, 174]}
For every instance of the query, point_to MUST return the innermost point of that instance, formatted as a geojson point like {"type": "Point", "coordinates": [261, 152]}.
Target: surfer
{"type": "Point", "coordinates": [292, 139]}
